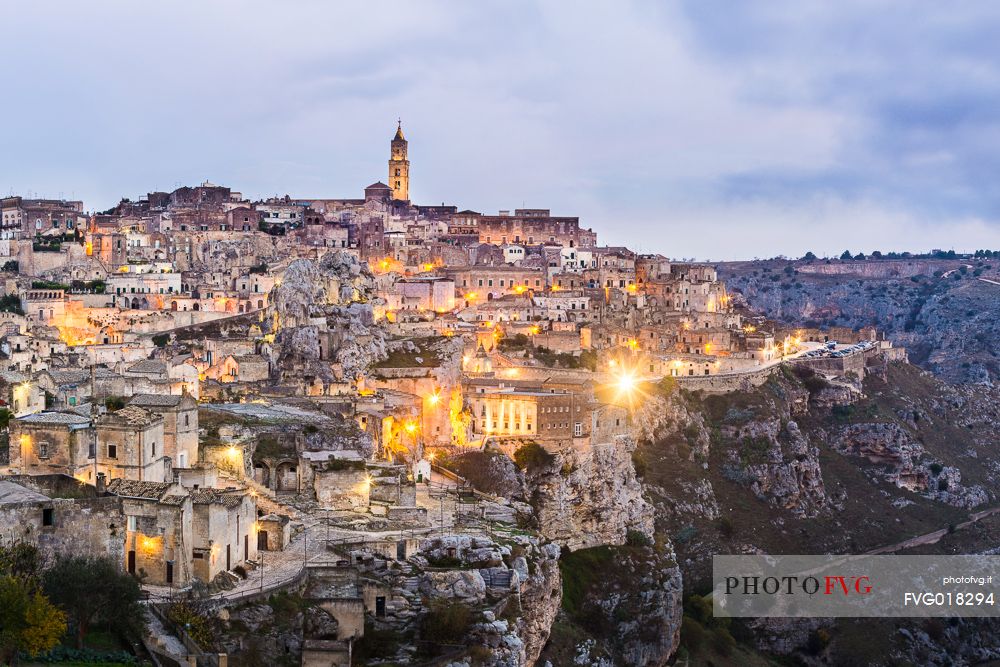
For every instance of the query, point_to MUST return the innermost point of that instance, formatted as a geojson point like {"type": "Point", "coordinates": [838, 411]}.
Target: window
{"type": "Point", "coordinates": [130, 523]}
{"type": "Point", "coordinates": [154, 448]}
{"type": "Point", "coordinates": [578, 429]}
{"type": "Point", "coordinates": [43, 450]}
{"type": "Point", "coordinates": [112, 451]}
{"type": "Point", "coordinates": [47, 517]}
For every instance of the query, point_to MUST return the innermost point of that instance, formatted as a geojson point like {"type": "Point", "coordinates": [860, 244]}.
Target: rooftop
{"type": "Point", "coordinates": [15, 494]}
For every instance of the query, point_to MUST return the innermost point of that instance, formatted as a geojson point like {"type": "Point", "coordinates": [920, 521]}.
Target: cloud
{"type": "Point", "coordinates": [703, 128]}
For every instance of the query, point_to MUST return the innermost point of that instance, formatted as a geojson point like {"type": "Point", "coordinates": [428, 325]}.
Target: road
{"type": "Point", "coordinates": [932, 537]}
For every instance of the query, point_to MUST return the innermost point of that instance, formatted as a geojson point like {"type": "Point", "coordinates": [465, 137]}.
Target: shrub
{"type": "Point", "coordinates": [446, 622]}
{"type": "Point", "coordinates": [818, 640]}
{"type": "Point", "coordinates": [692, 634]}
{"type": "Point", "coordinates": [161, 340]}
{"type": "Point", "coordinates": [936, 469]}
{"type": "Point", "coordinates": [532, 456]}
{"type": "Point", "coordinates": [114, 402]}
{"type": "Point", "coordinates": [11, 303]}
{"type": "Point", "coordinates": [637, 538]}
{"type": "Point", "coordinates": [639, 463]}
{"type": "Point", "coordinates": [240, 571]}
{"type": "Point", "coordinates": [726, 526]}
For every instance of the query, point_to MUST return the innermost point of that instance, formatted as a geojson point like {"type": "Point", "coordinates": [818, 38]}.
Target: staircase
{"type": "Point", "coordinates": [497, 578]}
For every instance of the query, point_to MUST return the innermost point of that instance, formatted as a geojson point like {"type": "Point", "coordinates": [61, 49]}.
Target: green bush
{"type": "Point", "coordinates": [639, 463]}
{"type": "Point", "coordinates": [446, 622]}
{"type": "Point", "coordinates": [533, 457]}
{"type": "Point", "coordinates": [637, 538]}
{"type": "Point", "coordinates": [692, 634]}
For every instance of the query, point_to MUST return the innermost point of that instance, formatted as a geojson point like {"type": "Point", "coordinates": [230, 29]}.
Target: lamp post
{"type": "Point", "coordinates": [261, 571]}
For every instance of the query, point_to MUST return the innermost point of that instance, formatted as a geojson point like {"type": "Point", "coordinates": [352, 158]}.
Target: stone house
{"type": "Point", "coordinates": [158, 530]}
{"type": "Point", "coordinates": [180, 424]}
{"type": "Point", "coordinates": [19, 395]}
{"type": "Point", "coordinates": [52, 443]}
{"type": "Point", "coordinates": [33, 509]}
{"type": "Point", "coordinates": [224, 531]}
{"type": "Point", "coordinates": [129, 444]}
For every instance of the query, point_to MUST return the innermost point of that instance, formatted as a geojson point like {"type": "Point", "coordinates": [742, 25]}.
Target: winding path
{"type": "Point", "coordinates": [932, 537]}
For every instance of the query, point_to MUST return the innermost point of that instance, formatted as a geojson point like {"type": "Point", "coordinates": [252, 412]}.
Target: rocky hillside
{"type": "Point", "coordinates": [808, 465]}
{"type": "Point", "coordinates": [943, 311]}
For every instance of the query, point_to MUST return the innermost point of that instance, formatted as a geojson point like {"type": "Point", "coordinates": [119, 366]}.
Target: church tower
{"type": "Point", "coordinates": [399, 166]}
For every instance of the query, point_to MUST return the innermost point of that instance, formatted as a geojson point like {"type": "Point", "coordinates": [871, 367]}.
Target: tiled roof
{"type": "Point", "coordinates": [55, 418]}
{"type": "Point", "coordinates": [135, 489]}
{"type": "Point", "coordinates": [148, 366]}
{"type": "Point", "coordinates": [12, 493]}
{"type": "Point", "coordinates": [209, 496]}
{"type": "Point", "coordinates": [130, 415]}
{"type": "Point", "coordinates": [156, 400]}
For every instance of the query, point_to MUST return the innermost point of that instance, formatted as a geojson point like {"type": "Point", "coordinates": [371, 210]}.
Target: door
{"type": "Point", "coordinates": [401, 550]}
{"type": "Point", "coordinates": [380, 606]}
{"type": "Point", "coordinates": [170, 571]}
{"type": "Point", "coordinates": [131, 562]}
{"type": "Point", "coordinates": [246, 547]}
{"type": "Point", "coordinates": [262, 540]}
{"type": "Point", "coordinates": [229, 564]}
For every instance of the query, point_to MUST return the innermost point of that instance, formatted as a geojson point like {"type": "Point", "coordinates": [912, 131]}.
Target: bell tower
{"type": "Point", "coordinates": [399, 166]}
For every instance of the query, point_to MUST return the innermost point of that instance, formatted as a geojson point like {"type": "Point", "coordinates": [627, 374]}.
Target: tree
{"type": "Point", "coordinates": [846, 254]}
{"type": "Point", "coordinates": [29, 622]}
{"type": "Point", "coordinates": [21, 560]}
{"type": "Point", "coordinates": [94, 589]}
{"type": "Point", "coordinates": [809, 256]}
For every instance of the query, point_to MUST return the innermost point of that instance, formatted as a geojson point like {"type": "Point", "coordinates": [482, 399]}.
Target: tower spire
{"type": "Point", "coordinates": [399, 165]}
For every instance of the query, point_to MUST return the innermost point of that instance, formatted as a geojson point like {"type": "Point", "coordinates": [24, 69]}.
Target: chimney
{"type": "Point", "coordinates": [101, 485]}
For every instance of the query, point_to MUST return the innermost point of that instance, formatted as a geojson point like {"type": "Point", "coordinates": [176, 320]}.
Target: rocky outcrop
{"type": "Point", "coordinates": [906, 463]}
{"type": "Point", "coordinates": [587, 497]}
{"type": "Point", "coordinates": [322, 319]}
{"type": "Point", "coordinates": [540, 598]}
{"type": "Point", "coordinates": [934, 308]}
{"type": "Point", "coordinates": [630, 610]}
{"type": "Point", "coordinates": [779, 464]}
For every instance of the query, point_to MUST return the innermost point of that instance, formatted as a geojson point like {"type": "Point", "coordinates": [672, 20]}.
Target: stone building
{"type": "Point", "coordinates": [223, 527]}
{"type": "Point", "coordinates": [527, 409]}
{"type": "Point", "coordinates": [180, 424]}
{"type": "Point", "coordinates": [534, 225]}
{"type": "Point", "coordinates": [129, 444]}
{"type": "Point", "coordinates": [399, 166]}
{"type": "Point", "coordinates": [158, 538]}
{"type": "Point", "coordinates": [60, 517]}
{"type": "Point", "coordinates": [53, 443]}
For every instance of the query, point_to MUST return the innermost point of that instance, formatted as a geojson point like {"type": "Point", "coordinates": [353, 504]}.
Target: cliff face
{"type": "Point", "coordinates": [585, 498]}
{"type": "Point", "coordinates": [806, 465]}
{"type": "Point", "coordinates": [938, 309]}
{"type": "Point", "coordinates": [627, 608]}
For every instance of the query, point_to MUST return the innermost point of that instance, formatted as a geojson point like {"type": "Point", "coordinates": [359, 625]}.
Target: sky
{"type": "Point", "coordinates": [697, 129]}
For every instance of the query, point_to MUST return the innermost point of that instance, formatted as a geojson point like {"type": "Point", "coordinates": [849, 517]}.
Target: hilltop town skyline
{"type": "Point", "coordinates": [805, 124]}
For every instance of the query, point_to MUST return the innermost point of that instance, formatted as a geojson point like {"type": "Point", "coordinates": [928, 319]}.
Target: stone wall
{"type": "Point", "coordinates": [80, 527]}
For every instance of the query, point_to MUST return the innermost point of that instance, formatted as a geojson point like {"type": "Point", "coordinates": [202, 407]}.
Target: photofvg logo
{"type": "Point", "coordinates": [795, 585]}
{"type": "Point", "coordinates": [857, 586]}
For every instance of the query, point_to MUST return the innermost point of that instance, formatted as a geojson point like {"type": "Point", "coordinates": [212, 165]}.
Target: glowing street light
{"type": "Point", "coordinates": [626, 382]}
{"type": "Point", "coordinates": [434, 398]}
